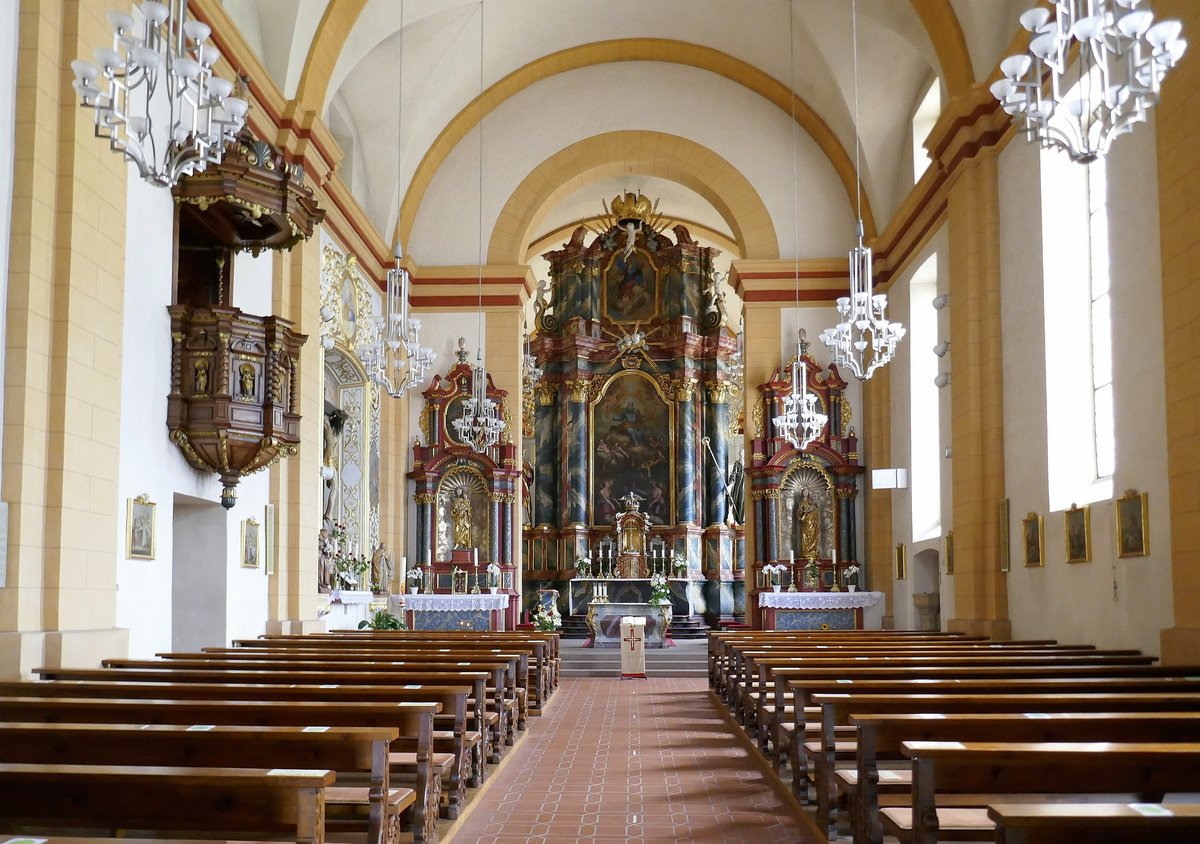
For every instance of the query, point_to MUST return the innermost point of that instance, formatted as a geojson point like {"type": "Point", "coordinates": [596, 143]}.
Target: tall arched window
{"type": "Point", "coordinates": [922, 123]}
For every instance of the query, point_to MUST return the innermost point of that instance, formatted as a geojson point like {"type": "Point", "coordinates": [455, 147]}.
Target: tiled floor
{"type": "Point", "coordinates": [634, 760]}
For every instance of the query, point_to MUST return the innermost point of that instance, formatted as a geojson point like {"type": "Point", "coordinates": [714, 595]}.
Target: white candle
{"type": "Point", "coordinates": [403, 571]}
{"type": "Point", "coordinates": [429, 555]}
{"type": "Point", "coordinates": [835, 558]}
{"type": "Point", "coordinates": [475, 556]}
{"type": "Point", "coordinates": [792, 557]}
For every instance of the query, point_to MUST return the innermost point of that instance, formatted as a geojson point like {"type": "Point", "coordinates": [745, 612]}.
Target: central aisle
{"type": "Point", "coordinates": [631, 760]}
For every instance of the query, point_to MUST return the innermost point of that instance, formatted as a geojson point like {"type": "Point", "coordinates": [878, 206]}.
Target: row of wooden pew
{"type": "Point", "coordinates": [285, 736]}
{"type": "Point", "coordinates": [933, 736]}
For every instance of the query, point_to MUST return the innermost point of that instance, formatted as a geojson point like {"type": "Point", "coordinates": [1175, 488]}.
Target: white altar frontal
{"type": "Point", "coordinates": [347, 607]}
{"type": "Point", "coordinates": [431, 611]}
{"type": "Point", "coordinates": [633, 647]}
{"type": "Point", "coordinates": [821, 610]}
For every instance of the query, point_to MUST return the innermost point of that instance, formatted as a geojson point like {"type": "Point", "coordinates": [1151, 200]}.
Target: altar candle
{"type": "Point", "coordinates": [835, 559]}
{"type": "Point", "coordinates": [429, 555]}
{"type": "Point", "coordinates": [403, 572]}
{"type": "Point", "coordinates": [792, 557]}
{"type": "Point", "coordinates": [475, 556]}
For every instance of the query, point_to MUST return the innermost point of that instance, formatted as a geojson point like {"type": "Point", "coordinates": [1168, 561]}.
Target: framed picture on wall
{"type": "Point", "coordinates": [949, 552]}
{"type": "Point", "coordinates": [1078, 529]}
{"type": "Point", "coordinates": [250, 543]}
{"type": "Point", "coordinates": [1002, 528]}
{"type": "Point", "coordinates": [1031, 535]}
{"type": "Point", "coordinates": [139, 528]}
{"type": "Point", "coordinates": [1133, 532]}
{"type": "Point", "coordinates": [901, 562]}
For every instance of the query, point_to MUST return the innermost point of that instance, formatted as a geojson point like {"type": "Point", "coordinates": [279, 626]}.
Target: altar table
{"type": "Point", "coordinates": [347, 607]}
{"type": "Point", "coordinates": [427, 611]}
{"type": "Point", "coordinates": [821, 610]}
{"type": "Point", "coordinates": [605, 623]}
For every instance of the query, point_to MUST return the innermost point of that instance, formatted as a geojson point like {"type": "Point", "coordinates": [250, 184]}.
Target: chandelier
{"type": "Point", "coordinates": [801, 421]}
{"type": "Point", "coordinates": [480, 425]}
{"type": "Point", "coordinates": [864, 339]}
{"type": "Point", "coordinates": [1123, 58]}
{"type": "Point", "coordinates": [395, 360]}
{"type": "Point", "coordinates": [155, 96]}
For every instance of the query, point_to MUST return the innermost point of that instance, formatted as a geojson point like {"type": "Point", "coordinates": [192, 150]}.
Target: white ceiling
{"type": "Point", "coordinates": [441, 48]}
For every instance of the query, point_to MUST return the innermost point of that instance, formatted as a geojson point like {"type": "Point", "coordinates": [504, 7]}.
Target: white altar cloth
{"type": "Point", "coordinates": [818, 600]}
{"type": "Point", "coordinates": [633, 646]}
{"type": "Point", "coordinates": [426, 601]}
{"type": "Point", "coordinates": [351, 596]}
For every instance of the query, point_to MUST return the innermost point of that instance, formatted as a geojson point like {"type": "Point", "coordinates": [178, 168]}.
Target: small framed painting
{"type": "Point", "coordinates": [1133, 535]}
{"type": "Point", "coordinates": [901, 562]}
{"type": "Point", "coordinates": [1078, 529]}
{"type": "Point", "coordinates": [250, 532]}
{"type": "Point", "coordinates": [1031, 533]}
{"type": "Point", "coordinates": [139, 528]}
{"type": "Point", "coordinates": [949, 552]}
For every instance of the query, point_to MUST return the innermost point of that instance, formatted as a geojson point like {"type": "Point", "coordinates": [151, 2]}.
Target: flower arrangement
{"type": "Point", "coordinates": [415, 577]}
{"type": "Point", "coordinates": [381, 620]}
{"type": "Point", "coordinates": [681, 568]}
{"type": "Point", "coordinates": [349, 569]}
{"type": "Point", "coordinates": [775, 573]}
{"type": "Point", "coordinates": [659, 592]}
{"type": "Point", "coordinates": [547, 617]}
{"type": "Point", "coordinates": [493, 571]}
{"type": "Point", "coordinates": [811, 574]}
{"type": "Point", "coordinates": [849, 573]}
{"type": "Point", "coordinates": [583, 566]}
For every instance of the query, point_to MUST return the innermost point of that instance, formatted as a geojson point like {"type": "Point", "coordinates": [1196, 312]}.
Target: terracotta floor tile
{"type": "Point", "coordinates": [648, 761]}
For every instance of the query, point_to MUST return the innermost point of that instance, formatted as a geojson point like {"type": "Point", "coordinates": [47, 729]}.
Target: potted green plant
{"type": "Point", "coordinates": [381, 619]}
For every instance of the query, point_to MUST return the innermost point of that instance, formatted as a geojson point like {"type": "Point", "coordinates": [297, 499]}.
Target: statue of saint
{"type": "Point", "coordinates": [460, 519]}
{"type": "Point", "coordinates": [808, 529]}
{"type": "Point", "coordinates": [381, 570]}
{"type": "Point", "coordinates": [325, 552]}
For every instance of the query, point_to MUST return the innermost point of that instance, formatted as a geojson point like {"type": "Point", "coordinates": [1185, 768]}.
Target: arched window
{"type": "Point", "coordinates": [922, 123]}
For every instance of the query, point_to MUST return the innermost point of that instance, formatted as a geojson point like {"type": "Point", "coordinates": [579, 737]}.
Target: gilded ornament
{"type": "Point", "coordinates": [426, 497]}
{"type": "Point", "coordinates": [758, 419]}
{"type": "Point", "coordinates": [579, 390]}
{"type": "Point", "coordinates": [545, 391]}
{"type": "Point", "coordinates": [847, 414]}
{"type": "Point", "coordinates": [631, 362]}
{"type": "Point", "coordinates": [718, 391]}
{"type": "Point", "coordinates": [684, 388]}
{"type": "Point", "coordinates": [848, 493]}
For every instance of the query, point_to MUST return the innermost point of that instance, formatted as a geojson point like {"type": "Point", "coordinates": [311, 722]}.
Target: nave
{"type": "Point", "coordinates": [650, 760]}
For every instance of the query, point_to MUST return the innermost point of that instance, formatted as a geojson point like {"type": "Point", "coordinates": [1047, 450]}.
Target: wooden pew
{"type": "Point", "coordinates": [435, 657]}
{"type": "Point", "coordinates": [371, 672]}
{"type": "Point", "coordinates": [881, 737]}
{"type": "Point", "coordinates": [953, 782]}
{"type": "Point", "coordinates": [362, 751]}
{"type": "Point", "coordinates": [452, 752]}
{"type": "Point", "coordinates": [475, 734]}
{"type": "Point", "coordinates": [1096, 823]}
{"type": "Point", "coordinates": [810, 693]}
{"type": "Point", "coordinates": [235, 802]}
{"type": "Point", "coordinates": [543, 665]}
{"type": "Point", "coordinates": [413, 722]}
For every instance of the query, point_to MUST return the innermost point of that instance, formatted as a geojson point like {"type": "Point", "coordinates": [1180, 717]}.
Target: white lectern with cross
{"type": "Point", "coordinates": [633, 647]}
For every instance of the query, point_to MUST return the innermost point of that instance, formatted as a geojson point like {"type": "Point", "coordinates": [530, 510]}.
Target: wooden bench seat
{"type": "Point", "coordinates": [354, 753]}
{"type": "Point", "coordinates": [880, 739]}
{"type": "Point", "coordinates": [954, 775]}
{"type": "Point", "coordinates": [1097, 823]}
{"type": "Point", "coordinates": [244, 803]}
{"type": "Point", "coordinates": [412, 721]}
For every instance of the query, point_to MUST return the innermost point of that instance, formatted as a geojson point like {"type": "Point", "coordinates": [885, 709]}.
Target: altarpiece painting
{"type": "Point", "coordinates": [631, 425]}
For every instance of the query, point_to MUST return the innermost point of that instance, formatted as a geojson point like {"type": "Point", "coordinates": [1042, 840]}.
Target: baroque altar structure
{"type": "Point", "coordinates": [464, 498]}
{"type": "Point", "coordinates": [636, 353]}
{"type": "Point", "coordinates": [803, 500]}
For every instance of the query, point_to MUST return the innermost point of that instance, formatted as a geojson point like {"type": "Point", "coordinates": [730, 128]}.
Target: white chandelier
{"type": "Point", "coordinates": [864, 339]}
{"type": "Point", "coordinates": [801, 421]}
{"type": "Point", "coordinates": [164, 70]}
{"type": "Point", "coordinates": [395, 359]}
{"type": "Point", "coordinates": [1123, 57]}
{"type": "Point", "coordinates": [480, 425]}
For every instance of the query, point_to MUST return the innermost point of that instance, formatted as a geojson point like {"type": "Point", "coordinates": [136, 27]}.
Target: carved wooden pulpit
{"type": "Point", "coordinates": [632, 528]}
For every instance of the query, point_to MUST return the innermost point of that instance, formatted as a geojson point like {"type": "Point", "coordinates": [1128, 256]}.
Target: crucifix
{"type": "Point", "coordinates": [633, 638]}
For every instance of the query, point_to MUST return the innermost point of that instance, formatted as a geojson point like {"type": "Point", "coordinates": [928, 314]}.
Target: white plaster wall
{"type": "Point", "coordinates": [150, 463]}
{"type": "Point", "coordinates": [8, 104]}
{"type": "Point", "coordinates": [1110, 602]}
{"type": "Point", "coordinates": [446, 228]}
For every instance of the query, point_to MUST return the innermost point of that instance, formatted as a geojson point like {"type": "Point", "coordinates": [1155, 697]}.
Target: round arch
{"type": "Point", "coordinates": [653, 153]}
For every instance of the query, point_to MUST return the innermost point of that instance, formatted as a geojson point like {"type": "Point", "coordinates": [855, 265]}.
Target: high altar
{"type": "Point", "coordinates": [635, 400]}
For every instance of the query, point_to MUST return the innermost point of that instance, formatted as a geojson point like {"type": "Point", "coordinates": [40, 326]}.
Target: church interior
{"type": "Point", "coordinates": [531, 316]}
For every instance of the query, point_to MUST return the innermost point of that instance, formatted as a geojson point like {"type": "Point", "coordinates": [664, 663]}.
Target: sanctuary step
{"type": "Point", "coordinates": [689, 658]}
{"type": "Point", "coordinates": [682, 627]}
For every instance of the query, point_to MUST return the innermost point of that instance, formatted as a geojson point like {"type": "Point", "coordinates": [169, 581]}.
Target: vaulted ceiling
{"type": "Point", "coordinates": [488, 129]}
